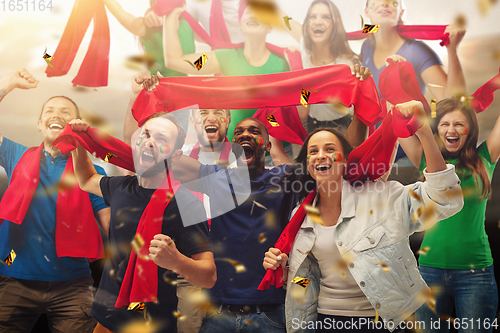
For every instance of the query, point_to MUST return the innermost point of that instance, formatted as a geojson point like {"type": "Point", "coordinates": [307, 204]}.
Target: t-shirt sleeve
{"type": "Point", "coordinates": [484, 152]}
{"type": "Point", "coordinates": [10, 153]}
{"type": "Point", "coordinates": [194, 238]}
{"type": "Point", "coordinates": [424, 57]}
{"type": "Point", "coordinates": [96, 201]}
{"type": "Point", "coordinates": [108, 186]}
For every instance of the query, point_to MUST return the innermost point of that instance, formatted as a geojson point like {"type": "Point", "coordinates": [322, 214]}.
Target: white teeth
{"type": "Point", "coordinates": [246, 144]}
{"type": "Point", "coordinates": [323, 167]}
{"type": "Point", "coordinates": [452, 137]}
{"type": "Point", "coordinates": [147, 154]}
{"type": "Point", "coordinates": [51, 126]}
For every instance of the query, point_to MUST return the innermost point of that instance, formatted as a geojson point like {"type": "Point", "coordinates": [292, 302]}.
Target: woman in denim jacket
{"type": "Point", "coordinates": [352, 262]}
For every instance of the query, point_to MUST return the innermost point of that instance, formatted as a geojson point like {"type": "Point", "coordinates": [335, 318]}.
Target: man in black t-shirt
{"type": "Point", "coordinates": [183, 250]}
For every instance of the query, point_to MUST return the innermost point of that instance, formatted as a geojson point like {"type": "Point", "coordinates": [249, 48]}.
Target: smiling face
{"type": "Point", "coordinates": [210, 125]}
{"type": "Point", "coordinates": [250, 25]}
{"type": "Point", "coordinates": [325, 157]}
{"type": "Point", "coordinates": [384, 12]}
{"type": "Point", "coordinates": [320, 23]}
{"type": "Point", "coordinates": [55, 114]}
{"type": "Point", "coordinates": [453, 129]}
{"type": "Point", "coordinates": [252, 141]}
{"type": "Point", "coordinates": [154, 144]}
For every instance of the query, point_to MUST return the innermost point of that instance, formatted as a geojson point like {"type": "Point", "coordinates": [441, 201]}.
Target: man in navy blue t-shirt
{"type": "Point", "coordinates": [245, 202]}
{"type": "Point", "coordinates": [40, 281]}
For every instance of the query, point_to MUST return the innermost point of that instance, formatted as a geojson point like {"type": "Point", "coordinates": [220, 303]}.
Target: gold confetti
{"type": "Point", "coordinates": [137, 243]}
{"type": "Point", "coordinates": [266, 11]}
{"type": "Point", "coordinates": [461, 20]}
{"type": "Point", "coordinates": [108, 157]}
{"type": "Point", "coordinates": [416, 215]}
{"type": "Point", "coordinates": [48, 58]}
{"type": "Point", "coordinates": [168, 280]}
{"type": "Point", "coordinates": [272, 121]}
{"type": "Point", "coordinates": [238, 266]}
{"type": "Point", "coordinates": [198, 64]}
{"type": "Point", "coordinates": [287, 22]}
{"type": "Point", "coordinates": [423, 251]}
{"type": "Point", "coordinates": [385, 267]}
{"type": "Point", "coordinates": [429, 295]}
{"type": "Point", "coordinates": [137, 306]}
{"type": "Point", "coordinates": [485, 6]}
{"type": "Point", "coordinates": [338, 106]}
{"type": "Point", "coordinates": [10, 258]}
{"type": "Point", "coordinates": [262, 238]}
{"type": "Point", "coordinates": [255, 203]}
{"type": "Point", "coordinates": [466, 99]}
{"type": "Point", "coordinates": [314, 214]}
{"type": "Point", "coordinates": [433, 108]}
{"type": "Point", "coordinates": [415, 195]}
{"type": "Point", "coordinates": [140, 326]}
{"type": "Point", "coordinates": [303, 282]}
{"type": "Point", "coordinates": [179, 316]}
{"type": "Point", "coordinates": [376, 316]}
{"type": "Point", "coordinates": [435, 85]}
{"type": "Point", "coordinates": [304, 97]}
{"type": "Point", "coordinates": [138, 62]}
{"type": "Point", "coordinates": [362, 21]}
{"type": "Point", "coordinates": [370, 29]}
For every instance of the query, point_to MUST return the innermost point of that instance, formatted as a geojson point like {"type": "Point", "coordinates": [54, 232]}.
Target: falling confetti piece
{"type": "Point", "coordinates": [48, 58]}
{"type": "Point", "coordinates": [466, 99]}
{"type": "Point", "coordinates": [255, 203]}
{"type": "Point", "coordinates": [10, 258]}
{"type": "Point", "coordinates": [314, 214]}
{"type": "Point", "coordinates": [338, 106]}
{"type": "Point", "coordinates": [461, 20]}
{"type": "Point", "coordinates": [198, 64]}
{"type": "Point", "coordinates": [138, 62]}
{"type": "Point", "coordinates": [140, 326]}
{"type": "Point", "coordinates": [485, 6]}
{"type": "Point", "coordinates": [423, 251]}
{"type": "Point", "coordinates": [238, 266]}
{"type": "Point", "coordinates": [137, 306]}
{"type": "Point", "coordinates": [303, 282]}
{"type": "Point", "coordinates": [429, 295]}
{"type": "Point", "coordinates": [376, 316]}
{"type": "Point", "coordinates": [385, 267]}
{"type": "Point", "coordinates": [435, 85]}
{"type": "Point", "coordinates": [137, 243]}
{"type": "Point", "coordinates": [370, 29]}
{"type": "Point", "coordinates": [262, 238]}
{"type": "Point", "coordinates": [416, 215]}
{"type": "Point", "coordinates": [168, 280]}
{"type": "Point", "coordinates": [362, 21]}
{"type": "Point", "coordinates": [287, 22]}
{"type": "Point", "coordinates": [179, 316]}
{"type": "Point", "coordinates": [272, 121]}
{"type": "Point", "coordinates": [108, 157]}
{"type": "Point", "coordinates": [266, 11]}
{"type": "Point", "coordinates": [415, 195]}
{"type": "Point", "coordinates": [433, 108]}
{"type": "Point", "coordinates": [304, 97]}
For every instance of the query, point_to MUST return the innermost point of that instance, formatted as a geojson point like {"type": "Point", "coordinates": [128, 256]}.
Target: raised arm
{"type": "Point", "coordinates": [454, 81]}
{"type": "Point", "coordinates": [85, 173]}
{"type": "Point", "coordinates": [172, 50]}
{"type": "Point", "coordinates": [433, 157]}
{"type": "Point", "coordinates": [493, 142]}
{"type": "Point", "coordinates": [133, 24]}
{"type": "Point", "coordinates": [21, 79]}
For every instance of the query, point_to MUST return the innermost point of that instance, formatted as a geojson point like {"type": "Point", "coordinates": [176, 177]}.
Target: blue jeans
{"type": "Point", "coordinates": [223, 321]}
{"type": "Point", "coordinates": [473, 292]}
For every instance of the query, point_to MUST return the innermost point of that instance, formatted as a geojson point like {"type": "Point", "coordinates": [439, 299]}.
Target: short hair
{"type": "Point", "coordinates": [78, 116]}
{"type": "Point", "coordinates": [193, 111]}
{"type": "Point", "coordinates": [181, 133]}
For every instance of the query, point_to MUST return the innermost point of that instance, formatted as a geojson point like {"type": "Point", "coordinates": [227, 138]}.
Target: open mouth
{"type": "Point", "coordinates": [147, 157]}
{"type": "Point", "coordinates": [318, 31]}
{"type": "Point", "coordinates": [253, 23]}
{"type": "Point", "coordinates": [248, 154]}
{"type": "Point", "coordinates": [452, 139]}
{"type": "Point", "coordinates": [323, 167]}
{"type": "Point", "coordinates": [384, 12]}
{"type": "Point", "coordinates": [56, 126]}
{"type": "Point", "coordinates": [211, 130]}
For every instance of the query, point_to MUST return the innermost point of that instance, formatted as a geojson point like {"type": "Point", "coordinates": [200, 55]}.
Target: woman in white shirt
{"type": "Point", "coordinates": [356, 262]}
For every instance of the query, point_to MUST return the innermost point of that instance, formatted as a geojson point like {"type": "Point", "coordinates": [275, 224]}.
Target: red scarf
{"type": "Point", "coordinates": [98, 143]}
{"type": "Point", "coordinates": [77, 235]}
{"type": "Point", "coordinates": [262, 91]}
{"type": "Point", "coordinates": [289, 129]}
{"type": "Point", "coordinates": [483, 97]}
{"type": "Point", "coordinates": [219, 35]}
{"type": "Point", "coordinates": [140, 283]}
{"type": "Point", "coordinates": [425, 32]}
{"type": "Point", "coordinates": [94, 69]}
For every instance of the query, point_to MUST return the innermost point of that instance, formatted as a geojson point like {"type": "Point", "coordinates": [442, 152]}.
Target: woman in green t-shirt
{"type": "Point", "coordinates": [455, 257]}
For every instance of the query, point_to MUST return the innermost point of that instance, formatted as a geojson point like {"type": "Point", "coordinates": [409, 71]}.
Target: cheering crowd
{"type": "Point", "coordinates": [280, 217]}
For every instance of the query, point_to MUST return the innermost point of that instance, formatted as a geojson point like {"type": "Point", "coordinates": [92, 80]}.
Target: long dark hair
{"type": "Point", "coordinates": [338, 45]}
{"type": "Point", "coordinates": [300, 174]}
{"type": "Point", "coordinates": [468, 159]}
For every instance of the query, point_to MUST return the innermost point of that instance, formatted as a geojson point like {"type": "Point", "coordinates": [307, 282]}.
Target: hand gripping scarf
{"type": "Point", "coordinates": [140, 283]}
{"type": "Point", "coordinates": [77, 235]}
